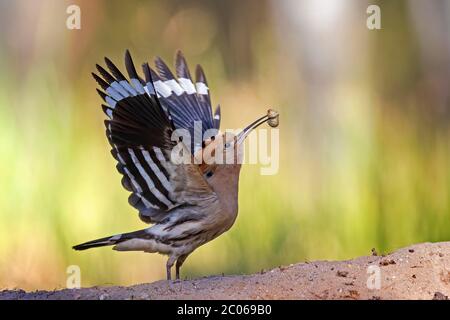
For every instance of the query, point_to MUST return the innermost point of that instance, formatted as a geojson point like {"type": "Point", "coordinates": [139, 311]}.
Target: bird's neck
{"type": "Point", "coordinates": [226, 187]}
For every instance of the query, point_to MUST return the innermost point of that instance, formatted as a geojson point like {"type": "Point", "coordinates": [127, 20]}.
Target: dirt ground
{"type": "Point", "coordinates": [420, 271]}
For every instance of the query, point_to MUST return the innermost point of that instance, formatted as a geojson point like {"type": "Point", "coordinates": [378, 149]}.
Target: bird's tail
{"type": "Point", "coordinates": [109, 241]}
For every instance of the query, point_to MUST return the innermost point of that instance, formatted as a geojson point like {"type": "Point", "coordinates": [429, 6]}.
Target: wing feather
{"type": "Point", "coordinates": [140, 128]}
{"type": "Point", "coordinates": [188, 102]}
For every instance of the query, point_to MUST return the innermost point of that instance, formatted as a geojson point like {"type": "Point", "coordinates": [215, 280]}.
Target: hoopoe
{"type": "Point", "coordinates": [188, 203]}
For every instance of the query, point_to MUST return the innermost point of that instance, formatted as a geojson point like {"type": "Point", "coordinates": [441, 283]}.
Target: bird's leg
{"type": "Point", "coordinates": [180, 261]}
{"type": "Point", "coordinates": [169, 265]}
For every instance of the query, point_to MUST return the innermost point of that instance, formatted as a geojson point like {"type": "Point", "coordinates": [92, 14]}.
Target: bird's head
{"type": "Point", "coordinates": [223, 154]}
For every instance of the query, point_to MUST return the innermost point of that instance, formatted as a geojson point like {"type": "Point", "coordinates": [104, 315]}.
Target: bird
{"type": "Point", "coordinates": [189, 196]}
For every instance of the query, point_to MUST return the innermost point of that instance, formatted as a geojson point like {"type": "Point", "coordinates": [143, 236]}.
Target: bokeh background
{"type": "Point", "coordinates": [365, 153]}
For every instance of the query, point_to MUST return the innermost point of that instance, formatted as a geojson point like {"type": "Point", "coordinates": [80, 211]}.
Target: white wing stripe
{"type": "Point", "coordinates": [149, 181]}
{"type": "Point", "coordinates": [119, 156]}
{"type": "Point", "coordinates": [111, 102]}
{"type": "Point", "coordinates": [201, 88]}
{"type": "Point", "coordinates": [109, 113]}
{"type": "Point", "coordinates": [174, 86]}
{"type": "Point", "coordinates": [149, 89]}
{"type": "Point", "coordinates": [160, 156]}
{"type": "Point", "coordinates": [120, 89]}
{"type": "Point", "coordinates": [156, 170]}
{"type": "Point", "coordinates": [113, 93]}
{"type": "Point", "coordinates": [136, 185]}
{"type": "Point", "coordinates": [162, 88]}
{"type": "Point", "coordinates": [146, 202]}
{"type": "Point", "coordinates": [137, 85]}
{"type": "Point", "coordinates": [128, 87]}
{"type": "Point", "coordinates": [187, 85]}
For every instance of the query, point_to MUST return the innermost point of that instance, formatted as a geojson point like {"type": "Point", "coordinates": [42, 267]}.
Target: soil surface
{"type": "Point", "coordinates": [420, 271]}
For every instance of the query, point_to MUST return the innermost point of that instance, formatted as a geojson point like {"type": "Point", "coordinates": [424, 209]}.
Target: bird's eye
{"type": "Point", "coordinates": [227, 145]}
{"type": "Point", "coordinates": [209, 174]}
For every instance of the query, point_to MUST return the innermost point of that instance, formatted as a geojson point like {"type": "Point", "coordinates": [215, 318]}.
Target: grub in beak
{"type": "Point", "coordinates": [272, 118]}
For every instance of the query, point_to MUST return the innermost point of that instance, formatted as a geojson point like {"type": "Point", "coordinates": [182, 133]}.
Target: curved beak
{"type": "Point", "coordinates": [271, 117]}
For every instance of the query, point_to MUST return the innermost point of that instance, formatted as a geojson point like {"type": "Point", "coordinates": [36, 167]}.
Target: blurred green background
{"type": "Point", "coordinates": [365, 153]}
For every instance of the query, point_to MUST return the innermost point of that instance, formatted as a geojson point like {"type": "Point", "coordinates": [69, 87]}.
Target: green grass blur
{"type": "Point", "coordinates": [368, 166]}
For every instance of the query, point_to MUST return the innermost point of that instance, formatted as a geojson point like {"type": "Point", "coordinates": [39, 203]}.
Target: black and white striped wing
{"type": "Point", "coordinates": [139, 131]}
{"type": "Point", "coordinates": [188, 102]}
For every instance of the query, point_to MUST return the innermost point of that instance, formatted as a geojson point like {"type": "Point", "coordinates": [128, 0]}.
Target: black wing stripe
{"type": "Point", "coordinates": [144, 125]}
{"type": "Point", "coordinates": [110, 101]}
{"type": "Point", "coordinates": [108, 111]}
{"type": "Point", "coordinates": [162, 90]}
{"type": "Point", "coordinates": [185, 80]}
{"type": "Point", "coordinates": [114, 70]}
{"type": "Point", "coordinates": [135, 79]}
{"type": "Point", "coordinates": [137, 202]}
{"type": "Point", "coordinates": [116, 95]}
{"type": "Point", "coordinates": [181, 66]}
{"type": "Point", "coordinates": [144, 177]}
{"type": "Point", "coordinates": [179, 109]}
{"type": "Point", "coordinates": [160, 161]}
{"type": "Point", "coordinates": [121, 168]}
{"type": "Point", "coordinates": [182, 115]}
{"type": "Point", "coordinates": [162, 178]}
{"type": "Point", "coordinates": [163, 70]}
{"type": "Point", "coordinates": [148, 79]}
{"type": "Point", "coordinates": [121, 80]}
{"type": "Point", "coordinates": [153, 172]}
{"type": "Point", "coordinates": [103, 84]}
{"type": "Point", "coordinates": [187, 102]}
{"type": "Point", "coordinates": [113, 83]}
{"type": "Point", "coordinates": [140, 180]}
{"type": "Point", "coordinates": [151, 91]}
{"type": "Point", "coordinates": [137, 186]}
{"type": "Point", "coordinates": [105, 74]}
{"type": "Point", "coordinates": [203, 93]}
{"type": "Point", "coordinates": [129, 65]}
{"type": "Point", "coordinates": [126, 183]}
